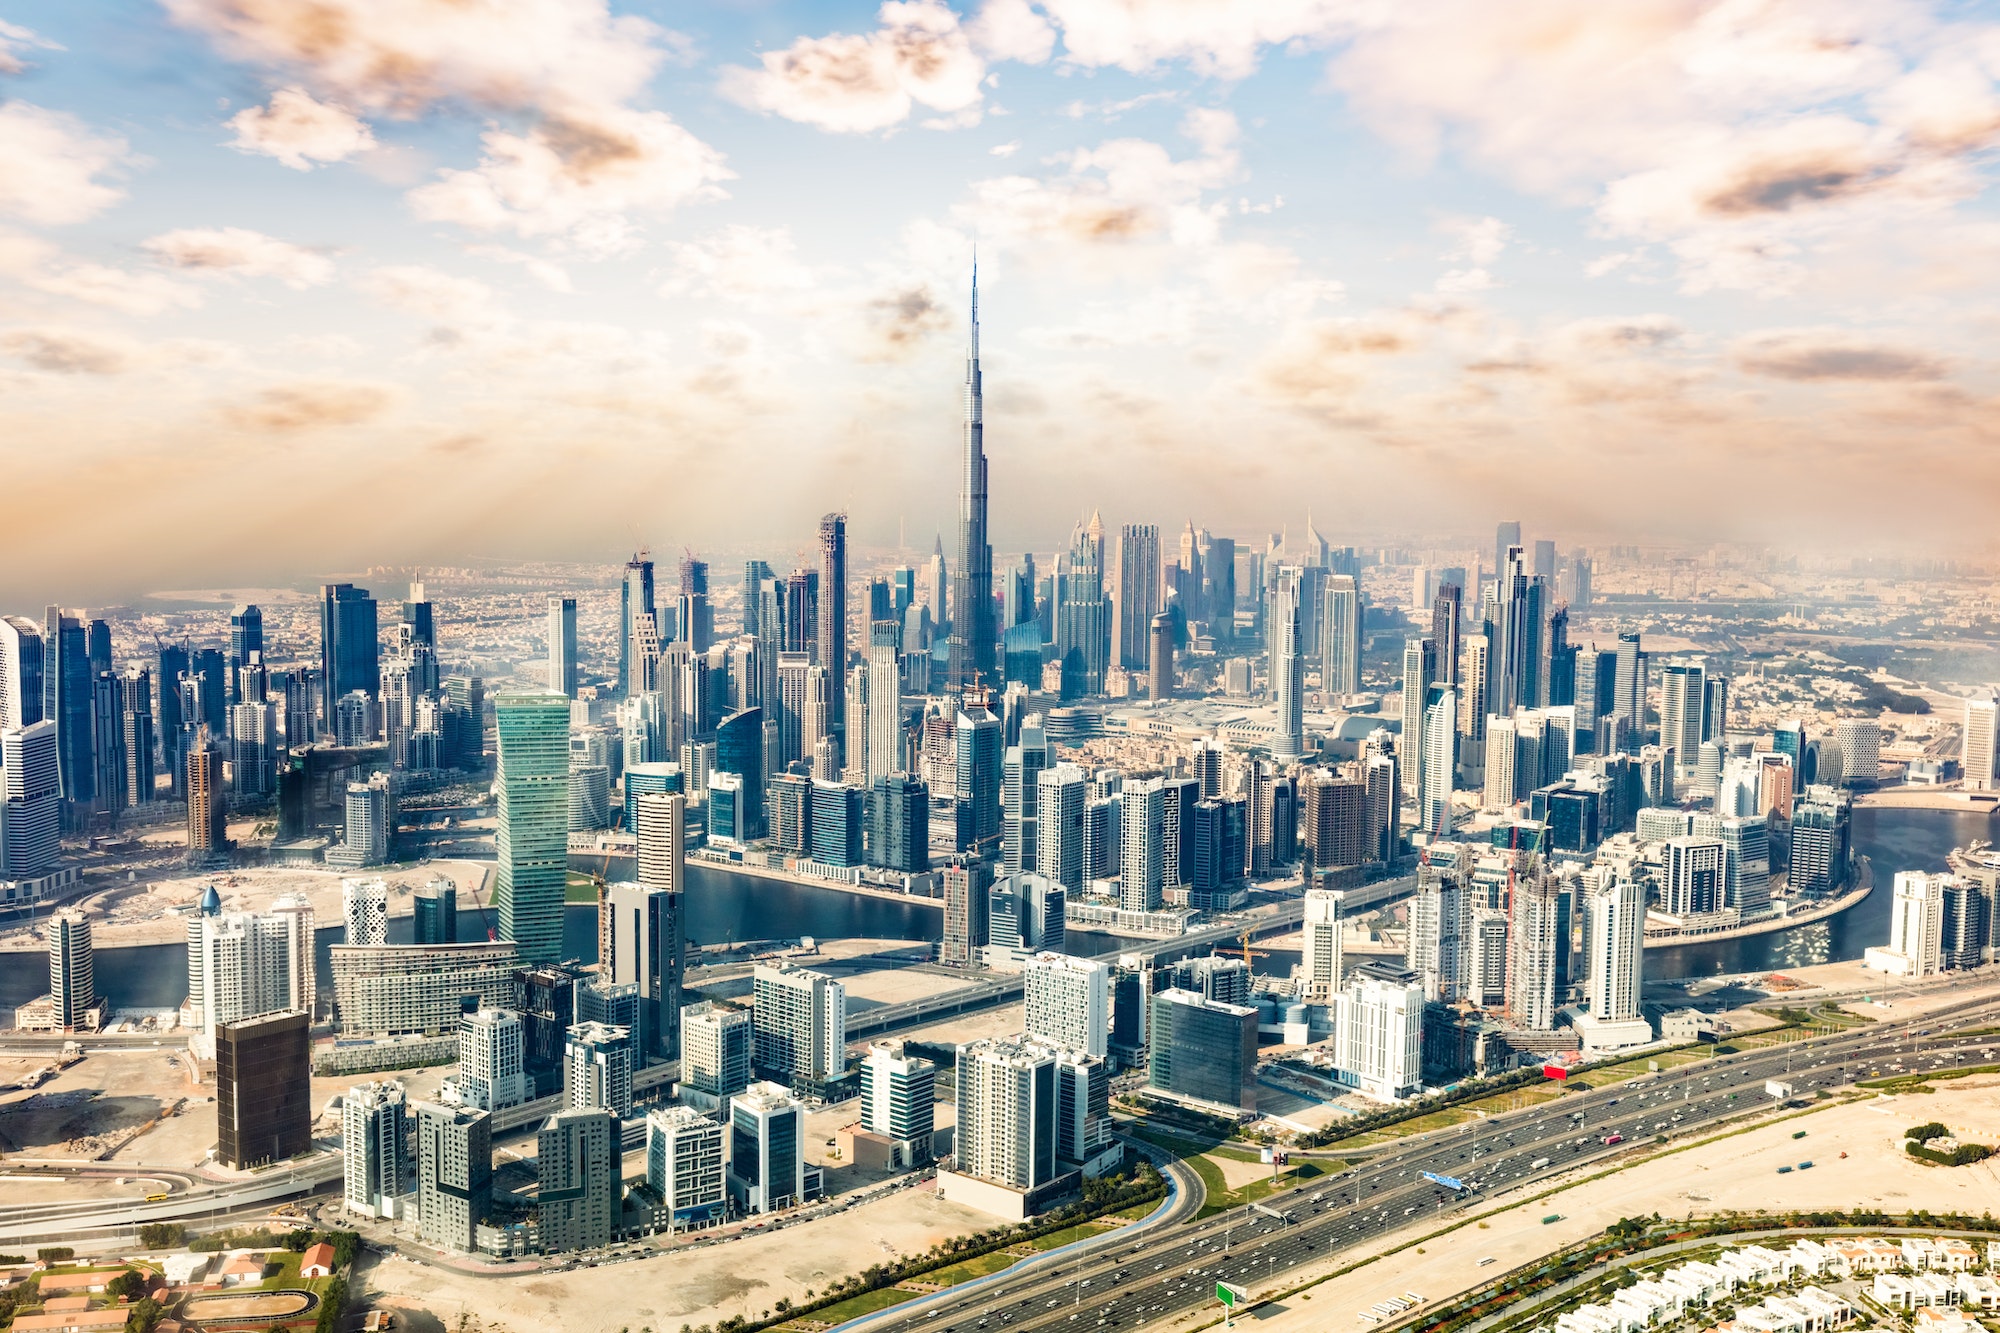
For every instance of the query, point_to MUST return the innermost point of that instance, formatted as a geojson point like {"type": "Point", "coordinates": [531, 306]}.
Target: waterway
{"type": "Point", "coordinates": [723, 906]}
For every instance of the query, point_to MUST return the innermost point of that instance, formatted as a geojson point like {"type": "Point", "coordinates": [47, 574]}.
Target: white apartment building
{"type": "Point", "coordinates": [1068, 1002]}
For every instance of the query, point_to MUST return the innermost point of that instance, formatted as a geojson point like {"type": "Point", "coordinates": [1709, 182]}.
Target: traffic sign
{"type": "Point", "coordinates": [1230, 1294]}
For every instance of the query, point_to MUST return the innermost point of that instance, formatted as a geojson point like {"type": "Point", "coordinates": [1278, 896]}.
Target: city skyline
{"type": "Point", "coordinates": [588, 275]}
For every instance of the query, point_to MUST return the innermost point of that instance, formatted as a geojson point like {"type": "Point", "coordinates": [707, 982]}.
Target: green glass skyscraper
{"type": "Point", "coordinates": [534, 820]}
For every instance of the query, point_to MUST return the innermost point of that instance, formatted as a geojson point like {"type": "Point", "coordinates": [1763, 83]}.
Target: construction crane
{"type": "Point", "coordinates": [1248, 952]}
{"type": "Point", "coordinates": [492, 936]}
{"type": "Point", "coordinates": [598, 882]}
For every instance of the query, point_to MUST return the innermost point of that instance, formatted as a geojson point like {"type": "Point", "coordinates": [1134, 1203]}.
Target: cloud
{"type": "Point", "coordinates": [43, 267]}
{"type": "Point", "coordinates": [66, 351]}
{"type": "Point", "coordinates": [552, 276]}
{"type": "Point", "coordinates": [1008, 149]}
{"type": "Point", "coordinates": [14, 40]}
{"type": "Point", "coordinates": [1223, 38]}
{"type": "Point", "coordinates": [855, 83]}
{"type": "Point", "coordinates": [311, 405]}
{"type": "Point", "coordinates": [576, 172]}
{"type": "Point", "coordinates": [902, 318]}
{"type": "Point", "coordinates": [1012, 30]}
{"type": "Point", "coordinates": [49, 164]}
{"type": "Point", "coordinates": [430, 293]}
{"type": "Point", "coordinates": [739, 263]}
{"type": "Point", "coordinates": [1458, 281]}
{"type": "Point", "coordinates": [572, 156]}
{"type": "Point", "coordinates": [403, 57]}
{"type": "Point", "coordinates": [1478, 241]}
{"type": "Point", "coordinates": [1126, 190]}
{"type": "Point", "coordinates": [1826, 354]}
{"type": "Point", "coordinates": [237, 250]}
{"type": "Point", "coordinates": [299, 131]}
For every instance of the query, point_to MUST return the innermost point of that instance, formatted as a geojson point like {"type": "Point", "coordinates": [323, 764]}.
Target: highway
{"type": "Point", "coordinates": [1110, 1283]}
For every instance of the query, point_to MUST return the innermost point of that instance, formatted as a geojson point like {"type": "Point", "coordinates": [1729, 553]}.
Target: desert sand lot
{"type": "Point", "coordinates": [85, 1109]}
{"type": "Point", "coordinates": [688, 1286]}
{"type": "Point", "coordinates": [153, 910]}
{"type": "Point", "coordinates": [1731, 1174]}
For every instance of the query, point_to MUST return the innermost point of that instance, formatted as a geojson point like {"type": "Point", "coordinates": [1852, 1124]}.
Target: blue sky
{"type": "Point", "coordinates": [288, 285]}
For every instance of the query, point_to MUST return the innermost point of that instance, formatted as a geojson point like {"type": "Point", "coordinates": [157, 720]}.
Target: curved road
{"type": "Point", "coordinates": [1170, 1272]}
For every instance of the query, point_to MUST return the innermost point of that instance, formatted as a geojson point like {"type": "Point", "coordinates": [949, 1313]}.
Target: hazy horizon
{"type": "Point", "coordinates": [289, 289]}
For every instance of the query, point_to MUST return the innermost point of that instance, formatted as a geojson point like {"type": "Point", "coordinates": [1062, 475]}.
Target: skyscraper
{"type": "Point", "coordinates": [246, 636]}
{"type": "Point", "coordinates": [974, 640]}
{"type": "Point", "coordinates": [1288, 666]}
{"type": "Point", "coordinates": [1160, 665]}
{"type": "Point", "coordinates": [562, 645]}
{"type": "Point", "coordinates": [72, 970]}
{"type": "Point", "coordinates": [263, 1089]}
{"type": "Point", "coordinates": [1682, 695]}
{"type": "Point", "coordinates": [1138, 593]}
{"type": "Point", "coordinates": [1979, 750]}
{"type": "Point", "coordinates": [885, 701]}
{"type": "Point", "coordinates": [577, 1160]}
{"type": "Point", "coordinates": [800, 1021]}
{"type": "Point", "coordinates": [1067, 1002]}
{"type": "Point", "coordinates": [349, 654]}
{"type": "Point", "coordinates": [1507, 536]}
{"type": "Point", "coordinates": [533, 840]}
{"type": "Point", "coordinates": [454, 1173]}
{"type": "Point", "coordinates": [374, 1148]}
{"type": "Point", "coordinates": [636, 622]}
{"type": "Point", "coordinates": [1083, 621]}
{"type": "Point", "coordinates": [22, 686]}
{"type": "Point", "coordinates": [206, 808]}
{"type": "Point", "coordinates": [647, 942]}
{"type": "Point", "coordinates": [1614, 933]}
{"type": "Point", "coordinates": [832, 617]}
{"type": "Point", "coordinates": [1419, 671]}
{"type": "Point", "coordinates": [1319, 958]}
{"type": "Point", "coordinates": [1447, 612]}
{"type": "Point", "coordinates": [1628, 706]}
{"type": "Point", "coordinates": [30, 800]}
{"type": "Point", "coordinates": [1340, 650]}
{"type": "Point", "coordinates": [694, 616]}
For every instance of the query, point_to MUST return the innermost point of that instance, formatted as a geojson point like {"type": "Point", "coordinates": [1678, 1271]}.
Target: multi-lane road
{"type": "Point", "coordinates": [1123, 1283]}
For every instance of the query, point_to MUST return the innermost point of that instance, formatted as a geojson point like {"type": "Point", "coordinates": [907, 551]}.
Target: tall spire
{"type": "Point", "coordinates": [973, 635]}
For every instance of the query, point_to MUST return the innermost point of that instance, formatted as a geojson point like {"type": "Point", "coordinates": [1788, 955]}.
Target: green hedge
{"type": "Point", "coordinates": [1965, 1154]}
{"type": "Point", "coordinates": [1925, 1133]}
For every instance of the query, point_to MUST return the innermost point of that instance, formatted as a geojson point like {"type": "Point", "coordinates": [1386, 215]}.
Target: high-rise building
{"type": "Point", "coordinates": [832, 623]}
{"type": "Point", "coordinates": [1447, 616]}
{"type": "Point", "coordinates": [241, 965]}
{"type": "Point", "coordinates": [1378, 1023]}
{"type": "Point", "coordinates": [1203, 1050]}
{"type": "Point", "coordinates": [636, 621]}
{"type": "Point", "coordinates": [533, 841]}
{"type": "Point", "coordinates": [899, 824]}
{"type": "Point", "coordinates": [1691, 876]}
{"type": "Point", "coordinates": [1440, 769]}
{"type": "Point", "coordinates": [1288, 666]}
{"type": "Point", "coordinates": [1341, 623]}
{"type": "Point", "coordinates": [1320, 961]}
{"type": "Point", "coordinates": [263, 1089]}
{"type": "Point", "coordinates": [579, 1199]}
{"type": "Point", "coordinates": [1506, 537]}
{"type": "Point", "coordinates": [562, 645]}
{"type": "Point", "coordinates": [1683, 692]}
{"type": "Point", "coordinates": [972, 647]}
{"type": "Point", "coordinates": [1060, 798]}
{"type": "Point", "coordinates": [23, 662]}
{"type": "Point", "coordinates": [597, 1068]}
{"type": "Point", "coordinates": [1160, 667]}
{"type": "Point", "coordinates": [1820, 842]}
{"type": "Point", "coordinates": [646, 939]}
{"type": "Point", "coordinates": [207, 808]}
{"type": "Point", "coordinates": [454, 1173]}
{"type": "Point", "coordinates": [767, 1161]}
{"type": "Point", "coordinates": [435, 910]}
{"type": "Point", "coordinates": [30, 799]}
{"type": "Point", "coordinates": [375, 1148]}
{"type": "Point", "coordinates": [72, 971]}
{"type": "Point", "coordinates": [1068, 1002]}
{"type": "Point", "coordinates": [349, 652]}
{"type": "Point", "coordinates": [980, 761]}
{"type": "Point", "coordinates": [716, 1050]}
{"type": "Point", "coordinates": [967, 881]}
{"type": "Point", "coordinates": [491, 1072]}
{"type": "Point", "coordinates": [1979, 746]}
{"type": "Point", "coordinates": [1006, 1103]}
{"type": "Point", "coordinates": [1628, 704]}
{"type": "Point", "coordinates": [1860, 741]}
{"type": "Point", "coordinates": [898, 1101]}
{"type": "Point", "coordinates": [800, 1021]}
{"type": "Point", "coordinates": [1020, 793]}
{"type": "Point", "coordinates": [684, 1165]}
{"type": "Point", "coordinates": [1916, 924]}
{"type": "Point", "coordinates": [1083, 621]}
{"type": "Point", "coordinates": [364, 911]}
{"type": "Point", "coordinates": [1439, 944]}
{"type": "Point", "coordinates": [694, 617]}
{"type": "Point", "coordinates": [885, 701]}
{"type": "Point", "coordinates": [1419, 672]}
{"type": "Point", "coordinates": [1138, 598]}
{"type": "Point", "coordinates": [1614, 932]}
{"type": "Point", "coordinates": [1537, 951]}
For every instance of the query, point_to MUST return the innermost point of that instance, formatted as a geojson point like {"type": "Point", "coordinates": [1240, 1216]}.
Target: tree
{"type": "Point", "coordinates": [128, 1285]}
{"type": "Point", "coordinates": [145, 1314]}
{"type": "Point", "coordinates": [162, 1235]}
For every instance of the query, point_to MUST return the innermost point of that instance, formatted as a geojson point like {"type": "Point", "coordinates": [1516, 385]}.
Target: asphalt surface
{"type": "Point", "coordinates": [1113, 1282]}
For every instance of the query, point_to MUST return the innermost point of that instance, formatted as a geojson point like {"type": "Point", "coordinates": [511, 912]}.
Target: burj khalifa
{"type": "Point", "coordinates": [972, 644]}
